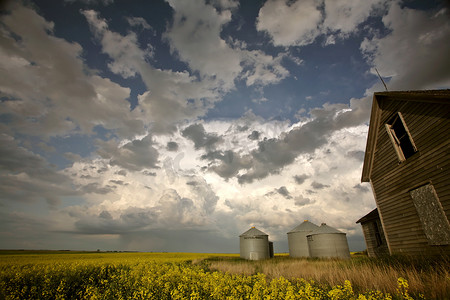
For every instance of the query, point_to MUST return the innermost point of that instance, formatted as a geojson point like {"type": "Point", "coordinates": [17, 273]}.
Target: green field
{"type": "Point", "coordinates": [101, 275]}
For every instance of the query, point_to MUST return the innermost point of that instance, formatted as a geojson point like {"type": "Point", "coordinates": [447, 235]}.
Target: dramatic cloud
{"type": "Point", "coordinates": [284, 192]}
{"type": "Point", "coordinates": [195, 37]}
{"type": "Point", "coordinates": [29, 232]}
{"type": "Point", "coordinates": [201, 139]}
{"type": "Point", "coordinates": [138, 21]}
{"type": "Point", "coordinates": [180, 124]}
{"type": "Point", "coordinates": [135, 155]}
{"type": "Point", "coordinates": [254, 135]}
{"type": "Point", "coordinates": [121, 205]}
{"type": "Point", "coordinates": [172, 146]}
{"type": "Point", "coordinates": [25, 176]}
{"type": "Point", "coordinates": [343, 17]}
{"type": "Point", "coordinates": [318, 186]}
{"type": "Point", "coordinates": [276, 153]}
{"type": "Point", "coordinates": [299, 179]}
{"type": "Point", "coordinates": [104, 223]}
{"type": "Point", "coordinates": [97, 188]}
{"type": "Point", "coordinates": [427, 33]}
{"type": "Point", "coordinates": [299, 23]}
{"type": "Point", "coordinates": [290, 23]}
{"type": "Point", "coordinates": [46, 86]}
{"type": "Point", "coordinates": [302, 201]}
{"type": "Point", "coordinates": [17, 159]}
{"type": "Point", "coordinates": [359, 155]}
{"type": "Point", "coordinates": [262, 69]}
{"type": "Point", "coordinates": [361, 188]}
{"type": "Point", "coordinates": [172, 96]}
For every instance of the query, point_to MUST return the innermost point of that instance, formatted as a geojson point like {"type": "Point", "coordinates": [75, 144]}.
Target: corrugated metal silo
{"type": "Point", "coordinates": [329, 242]}
{"type": "Point", "coordinates": [298, 244]}
{"type": "Point", "coordinates": [254, 244]}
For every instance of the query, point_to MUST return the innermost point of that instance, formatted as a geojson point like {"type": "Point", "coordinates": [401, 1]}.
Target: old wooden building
{"type": "Point", "coordinates": [407, 162]}
{"type": "Point", "coordinates": [373, 234]}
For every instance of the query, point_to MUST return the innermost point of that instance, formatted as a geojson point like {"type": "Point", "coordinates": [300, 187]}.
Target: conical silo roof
{"type": "Point", "coordinates": [324, 228]}
{"type": "Point", "coordinates": [253, 232]}
{"type": "Point", "coordinates": [305, 226]}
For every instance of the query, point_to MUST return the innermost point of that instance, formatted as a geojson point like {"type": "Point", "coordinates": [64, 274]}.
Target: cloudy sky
{"type": "Point", "coordinates": [176, 125]}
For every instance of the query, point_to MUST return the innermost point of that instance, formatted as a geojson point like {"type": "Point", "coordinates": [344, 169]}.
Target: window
{"type": "Point", "coordinates": [400, 137]}
{"type": "Point", "coordinates": [434, 221]}
{"type": "Point", "coordinates": [378, 239]}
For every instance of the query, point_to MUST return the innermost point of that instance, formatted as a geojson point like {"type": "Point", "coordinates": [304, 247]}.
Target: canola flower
{"type": "Point", "coordinates": [155, 276]}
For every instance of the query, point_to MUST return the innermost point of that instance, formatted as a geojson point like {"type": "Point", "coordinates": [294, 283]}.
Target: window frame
{"type": "Point", "coordinates": [395, 140]}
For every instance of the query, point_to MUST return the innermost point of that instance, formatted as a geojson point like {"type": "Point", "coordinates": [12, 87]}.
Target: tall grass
{"type": "Point", "coordinates": [429, 277]}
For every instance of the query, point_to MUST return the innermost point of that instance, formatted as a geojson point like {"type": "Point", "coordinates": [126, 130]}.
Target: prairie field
{"type": "Point", "coordinates": [101, 275]}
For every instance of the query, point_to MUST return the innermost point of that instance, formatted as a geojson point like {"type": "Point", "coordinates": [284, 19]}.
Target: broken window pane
{"type": "Point", "coordinates": [400, 137]}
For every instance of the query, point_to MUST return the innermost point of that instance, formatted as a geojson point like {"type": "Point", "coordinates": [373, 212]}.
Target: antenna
{"type": "Point", "coordinates": [382, 80]}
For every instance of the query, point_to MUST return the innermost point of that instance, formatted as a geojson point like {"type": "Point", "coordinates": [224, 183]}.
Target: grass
{"type": "Point", "coordinates": [36, 257]}
{"type": "Point", "coordinates": [426, 276]}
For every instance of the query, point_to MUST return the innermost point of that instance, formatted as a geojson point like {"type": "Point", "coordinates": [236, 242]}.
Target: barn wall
{"type": "Point", "coordinates": [373, 249]}
{"type": "Point", "coordinates": [429, 126]}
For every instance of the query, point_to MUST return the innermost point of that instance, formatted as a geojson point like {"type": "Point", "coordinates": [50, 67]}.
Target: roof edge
{"type": "Point", "coordinates": [253, 231]}
{"type": "Point", "coordinates": [372, 215]}
{"type": "Point", "coordinates": [438, 96]}
{"type": "Point", "coordinates": [371, 139]}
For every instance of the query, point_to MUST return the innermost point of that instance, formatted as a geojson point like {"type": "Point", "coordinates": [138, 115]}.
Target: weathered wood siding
{"type": "Point", "coordinates": [429, 126]}
{"type": "Point", "coordinates": [373, 249]}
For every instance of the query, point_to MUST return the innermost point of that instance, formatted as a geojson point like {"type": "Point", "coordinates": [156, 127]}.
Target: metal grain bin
{"type": "Point", "coordinates": [328, 242]}
{"type": "Point", "coordinates": [254, 244]}
{"type": "Point", "coordinates": [298, 244]}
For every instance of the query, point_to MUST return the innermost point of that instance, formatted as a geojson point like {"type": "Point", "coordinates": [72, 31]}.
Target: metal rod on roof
{"type": "Point", "coordinates": [382, 80]}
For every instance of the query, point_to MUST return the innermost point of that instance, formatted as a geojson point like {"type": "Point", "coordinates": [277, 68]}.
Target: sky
{"type": "Point", "coordinates": [177, 125]}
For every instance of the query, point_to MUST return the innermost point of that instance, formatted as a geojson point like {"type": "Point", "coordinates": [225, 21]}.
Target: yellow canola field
{"type": "Point", "coordinates": [152, 276]}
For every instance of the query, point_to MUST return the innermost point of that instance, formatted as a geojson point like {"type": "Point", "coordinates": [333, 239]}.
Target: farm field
{"type": "Point", "coordinates": [100, 275]}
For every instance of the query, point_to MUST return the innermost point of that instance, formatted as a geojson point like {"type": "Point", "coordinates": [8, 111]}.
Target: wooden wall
{"type": "Point", "coordinates": [429, 126]}
{"type": "Point", "coordinates": [373, 249]}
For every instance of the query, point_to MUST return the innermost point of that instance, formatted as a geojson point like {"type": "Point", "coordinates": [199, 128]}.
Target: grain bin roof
{"type": "Point", "coordinates": [305, 226]}
{"type": "Point", "coordinates": [253, 232]}
{"type": "Point", "coordinates": [324, 228]}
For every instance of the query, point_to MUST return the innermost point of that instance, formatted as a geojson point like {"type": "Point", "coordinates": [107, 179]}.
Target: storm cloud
{"type": "Point", "coordinates": [275, 153]}
{"type": "Point", "coordinates": [134, 155]}
{"type": "Point", "coordinates": [201, 139]}
{"type": "Point", "coordinates": [182, 124]}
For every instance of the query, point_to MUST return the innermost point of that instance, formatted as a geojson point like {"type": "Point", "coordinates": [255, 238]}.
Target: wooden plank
{"type": "Point", "coordinates": [409, 174]}
{"type": "Point", "coordinates": [403, 220]}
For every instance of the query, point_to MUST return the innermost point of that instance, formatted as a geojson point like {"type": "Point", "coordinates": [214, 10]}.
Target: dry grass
{"type": "Point", "coordinates": [430, 278]}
